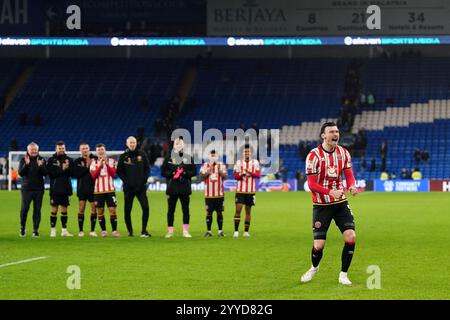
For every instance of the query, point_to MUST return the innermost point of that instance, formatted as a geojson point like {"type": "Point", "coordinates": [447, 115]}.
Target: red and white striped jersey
{"type": "Point", "coordinates": [328, 167]}
{"type": "Point", "coordinates": [103, 175]}
{"type": "Point", "coordinates": [214, 182]}
{"type": "Point", "coordinates": [247, 184]}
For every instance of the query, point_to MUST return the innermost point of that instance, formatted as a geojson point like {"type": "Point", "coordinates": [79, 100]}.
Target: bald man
{"type": "Point", "coordinates": [133, 168]}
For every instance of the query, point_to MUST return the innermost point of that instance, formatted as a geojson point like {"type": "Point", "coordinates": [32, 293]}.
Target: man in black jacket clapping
{"type": "Point", "coordinates": [59, 167]}
{"type": "Point", "coordinates": [32, 170]}
{"type": "Point", "coordinates": [133, 168]}
{"type": "Point", "coordinates": [178, 168]}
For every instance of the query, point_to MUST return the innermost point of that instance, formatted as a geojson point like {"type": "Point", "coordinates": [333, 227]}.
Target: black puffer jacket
{"type": "Point", "coordinates": [182, 185]}
{"type": "Point", "coordinates": [133, 168]}
{"type": "Point", "coordinates": [32, 174]}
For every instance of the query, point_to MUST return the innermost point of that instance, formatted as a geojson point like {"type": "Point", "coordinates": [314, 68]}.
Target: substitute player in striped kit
{"type": "Point", "coordinates": [103, 171]}
{"type": "Point", "coordinates": [213, 172]}
{"type": "Point", "coordinates": [246, 171]}
{"type": "Point", "coordinates": [324, 168]}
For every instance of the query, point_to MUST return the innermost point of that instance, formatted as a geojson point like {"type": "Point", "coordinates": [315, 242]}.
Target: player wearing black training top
{"type": "Point", "coordinates": [60, 167]}
{"type": "Point", "coordinates": [85, 187]}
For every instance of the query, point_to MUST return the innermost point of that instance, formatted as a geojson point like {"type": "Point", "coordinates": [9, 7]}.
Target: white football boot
{"type": "Point", "coordinates": [309, 275]}
{"type": "Point", "coordinates": [343, 279]}
{"type": "Point", "coordinates": [65, 233]}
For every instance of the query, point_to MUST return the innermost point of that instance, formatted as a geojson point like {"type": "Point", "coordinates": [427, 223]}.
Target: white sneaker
{"type": "Point", "coordinates": [81, 234]}
{"type": "Point", "coordinates": [236, 234]}
{"type": "Point", "coordinates": [343, 279]}
{"type": "Point", "coordinates": [246, 234]}
{"type": "Point", "coordinates": [65, 233]}
{"type": "Point", "coordinates": [169, 235]}
{"type": "Point", "coordinates": [186, 234]}
{"type": "Point", "coordinates": [309, 275]}
{"type": "Point", "coordinates": [93, 234]}
{"type": "Point", "coordinates": [53, 232]}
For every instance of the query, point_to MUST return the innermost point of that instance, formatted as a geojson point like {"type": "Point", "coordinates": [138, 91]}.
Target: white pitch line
{"type": "Point", "coordinates": [21, 261]}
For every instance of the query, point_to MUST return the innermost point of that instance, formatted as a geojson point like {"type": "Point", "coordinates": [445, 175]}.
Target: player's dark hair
{"type": "Point", "coordinates": [247, 146]}
{"type": "Point", "coordinates": [99, 145]}
{"type": "Point", "coordinates": [82, 143]}
{"type": "Point", "coordinates": [213, 152]}
{"type": "Point", "coordinates": [325, 125]}
{"type": "Point", "coordinates": [59, 143]}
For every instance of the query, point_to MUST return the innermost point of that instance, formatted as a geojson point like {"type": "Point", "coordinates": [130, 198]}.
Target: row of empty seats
{"type": "Point", "coordinates": [403, 117]}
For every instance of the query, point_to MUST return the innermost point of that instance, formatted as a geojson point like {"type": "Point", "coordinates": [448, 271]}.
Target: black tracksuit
{"type": "Point", "coordinates": [133, 168]}
{"type": "Point", "coordinates": [178, 188]}
{"type": "Point", "coordinates": [32, 190]}
{"type": "Point", "coordinates": [85, 183]}
{"type": "Point", "coordinates": [60, 184]}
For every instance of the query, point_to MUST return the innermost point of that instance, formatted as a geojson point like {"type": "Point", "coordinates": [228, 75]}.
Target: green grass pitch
{"type": "Point", "coordinates": [406, 235]}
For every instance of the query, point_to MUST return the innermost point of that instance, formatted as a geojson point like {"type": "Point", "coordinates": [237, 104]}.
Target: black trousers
{"type": "Point", "coordinates": [27, 197]}
{"type": "Point", "coordinates": [143, 201]}
{"type": "Point", "coordinates": [172, 204]}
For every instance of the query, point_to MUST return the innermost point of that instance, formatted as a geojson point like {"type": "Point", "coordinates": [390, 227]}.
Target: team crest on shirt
{"type": "Point", "coordinates": [332, 172]}
{"type": "Point", "coordinates": [139, 158]}
{"type": "Point", "coordinates": [317, 224]}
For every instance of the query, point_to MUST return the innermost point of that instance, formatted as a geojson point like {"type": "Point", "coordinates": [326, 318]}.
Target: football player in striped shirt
{"type": "Point", "coordinates": [246, 171]}
{"type": "Point", "coordinates": [103, 171]}
{"type": "Point", "coordinates": [213, 172]}
{"type": "Point", "coordinates": [324, 168]}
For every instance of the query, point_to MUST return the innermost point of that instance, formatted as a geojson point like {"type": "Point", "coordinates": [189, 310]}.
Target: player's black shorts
{"type": "Point", "coordinates": [108, 198]}
{"type": "Point", "coordinates": [86, 197]}
{"type": "Point", "coordinates": [322, 216]}
{"type": "Point", "coordinates": [247, 199]}
{"type": "Point", "coordinates": [59, 200]}
{"type": "Point", "coordinates": [214, 204]}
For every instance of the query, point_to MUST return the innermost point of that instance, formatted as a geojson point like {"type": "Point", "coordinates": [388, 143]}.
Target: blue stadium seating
{"type": "Point", "coordinates": [406, 81]}
{"type": "Point", "coordinates": [94, 101]}
{"type": "Point", "coordinates": [271, 93]}
{"type": "Point", "coordinates": [100, 101]}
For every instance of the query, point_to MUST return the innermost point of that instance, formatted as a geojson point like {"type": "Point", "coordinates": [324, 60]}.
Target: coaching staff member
{"type": "Point", "coordinates": [133, 168]}
{"type": "Point", "coordinates": [32, 169]}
